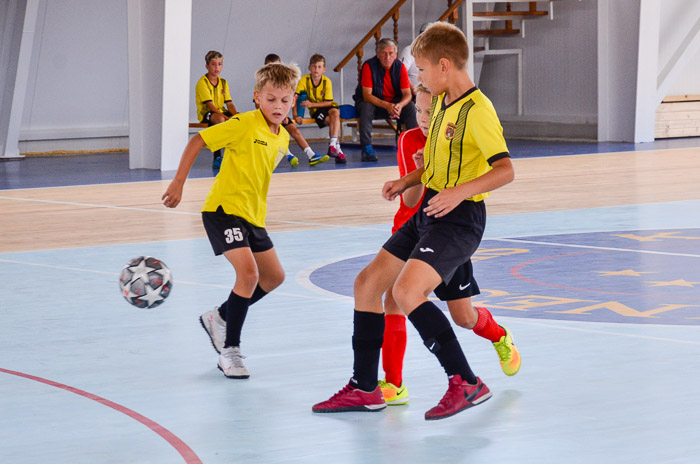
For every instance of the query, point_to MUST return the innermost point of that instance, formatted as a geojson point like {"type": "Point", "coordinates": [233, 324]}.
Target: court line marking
{"type": "Point", "coordinates": [180, 446]}
{"type": "Point", "coordinates": [185, 213]}
{"type": "Point", "coordinates": [329, 296]}
{"type": "Point", "coordinates": [591, 247]}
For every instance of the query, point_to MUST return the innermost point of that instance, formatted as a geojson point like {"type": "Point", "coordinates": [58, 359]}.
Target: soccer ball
{"type": "Point", "coordinates": [145, 282]}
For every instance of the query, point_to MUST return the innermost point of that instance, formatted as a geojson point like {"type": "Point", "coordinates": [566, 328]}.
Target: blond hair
{"type": "Point", "coordinates": [442, 40]}
{"type": "Point", "coordinates": [280, 75]}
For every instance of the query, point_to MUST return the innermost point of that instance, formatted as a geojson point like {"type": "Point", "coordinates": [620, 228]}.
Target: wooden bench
{"type": "Point", "coordinates": [352, 123]}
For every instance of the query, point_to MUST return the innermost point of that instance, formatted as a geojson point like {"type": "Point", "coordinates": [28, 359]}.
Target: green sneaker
{"type": "Point", "coordinates": [394, 396]}
{"type": "Point", "coordinates": [508, 354]}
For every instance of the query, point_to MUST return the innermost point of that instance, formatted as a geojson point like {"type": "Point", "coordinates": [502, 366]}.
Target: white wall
{"type": "Point", "coordinates": [78, 84]}
{"type": "Point", "coordinates": [677, 17]}
{"type": "Point", "coordinates": [559, 66]}
{"type": "Point", "coordinates": [78, 78]}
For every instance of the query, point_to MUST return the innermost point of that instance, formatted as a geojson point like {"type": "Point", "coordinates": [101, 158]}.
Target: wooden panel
{"type": "Point", "coordinates": [677, 119]}
{"type": "Point", "coordinates": [681, 98]}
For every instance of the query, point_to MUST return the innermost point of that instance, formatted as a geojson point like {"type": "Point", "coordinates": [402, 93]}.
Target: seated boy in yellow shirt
{"type": "Point", "coordinates": [318, 90]}
{"type": "Point", "coordinates": [213, 97]}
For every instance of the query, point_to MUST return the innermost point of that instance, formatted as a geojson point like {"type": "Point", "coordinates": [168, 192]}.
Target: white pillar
{"type": "Point", "coordinates": [647, 69]}
{"type": "Point", "coordinates": [159, 69]}
{"type": "Point", "coordinates": [15, 59]}
{"type": "Point", "coordinates": [618, 42]}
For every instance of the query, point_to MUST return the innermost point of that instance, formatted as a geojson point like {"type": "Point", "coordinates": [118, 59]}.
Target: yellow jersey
{"type": "Point", "coordinates": [205, 92]}
{"type": "Point", "coordinates": [252, 153]}
{"type": "Point", "coordinates": [465, 137]}
{"type": "Point", "coordinates": [316, 93]}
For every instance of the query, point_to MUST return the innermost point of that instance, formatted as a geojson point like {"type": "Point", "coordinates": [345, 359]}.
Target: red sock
{"type": "Point", "coordinates": [486, 326]}
{"type": "Point", "coordinates": [394, 347]}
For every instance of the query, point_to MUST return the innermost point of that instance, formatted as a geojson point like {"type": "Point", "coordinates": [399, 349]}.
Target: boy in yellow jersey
{"type": "Point", "coordinates": [234, 211]}
{"type": "Point", "coordinates": [457, 293]}
{"type": "Point", "coordinates": [213, 97]}
{"type": "Point", "coordinates": [318, 90]}
{"type": "Point", "coordinates": [465, 157]}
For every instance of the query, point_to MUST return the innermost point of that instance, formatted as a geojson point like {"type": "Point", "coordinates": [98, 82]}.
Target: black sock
{"type": "Point", "coordinates": [367, 339]}
{"type": "Point", "coordinates": [257, 295]}
{"type": "Point", "coordinates": [236, 311]}
{"type": "Point", "coordinates": [440, 339]}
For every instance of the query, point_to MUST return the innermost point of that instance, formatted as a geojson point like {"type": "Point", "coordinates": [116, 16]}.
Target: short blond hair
{"type": "Point", "coordinates": [442, 40]}
{"type": "Point", "coordinates": [280, 75]}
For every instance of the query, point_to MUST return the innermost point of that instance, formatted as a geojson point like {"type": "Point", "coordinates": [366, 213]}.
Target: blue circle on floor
{"type": "Point", "coordinates": [641, 277]}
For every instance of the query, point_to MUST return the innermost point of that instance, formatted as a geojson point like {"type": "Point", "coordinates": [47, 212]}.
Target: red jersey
{"type": "Point", "coordinates": [410, 142]}
{"type": "Point", "coordinates": [388, 90]}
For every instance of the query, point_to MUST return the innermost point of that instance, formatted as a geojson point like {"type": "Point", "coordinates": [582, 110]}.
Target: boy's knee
{"type": "Point", "coordinates": [404, 294]}
{"type": "Point", "coordinates": [247, 280]}
{"type": "Point", "coordinates": [366, 283]}
{"type": "Point", "coordinates": [273, 281]}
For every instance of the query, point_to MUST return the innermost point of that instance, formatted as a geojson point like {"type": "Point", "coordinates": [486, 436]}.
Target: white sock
{"type": "Point", "coordinates": [289, 153]}
{"type": "Point", "coordinates": [309, 152]}
{"type": "Point", "coordinates": [334, 141]}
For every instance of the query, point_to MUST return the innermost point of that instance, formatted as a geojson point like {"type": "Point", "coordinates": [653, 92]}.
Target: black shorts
{"type": "Point", "coordinates": [462, 285]}
{"type": "Point", "coordinates": [444, 243]}
{"type": "Point", "coordinates": [207, 117]}
{"type": "Point", "coordinates": [228, 232]}
{"type": "Point", "coordinates": [321, 114]}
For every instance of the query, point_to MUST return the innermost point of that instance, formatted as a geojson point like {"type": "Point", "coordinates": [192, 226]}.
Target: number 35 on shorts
{"type": "Point", "coordinates": [233, 235]}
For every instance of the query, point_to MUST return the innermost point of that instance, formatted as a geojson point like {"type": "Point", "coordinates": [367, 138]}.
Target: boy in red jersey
{"type": "Point", "coordinates": [458, 295]}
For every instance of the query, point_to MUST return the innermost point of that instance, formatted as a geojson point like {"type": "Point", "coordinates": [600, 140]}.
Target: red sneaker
{"type": "Point", "coordinates": [459, 396]}
{"type": "Point", "coordinates": [352, 399]}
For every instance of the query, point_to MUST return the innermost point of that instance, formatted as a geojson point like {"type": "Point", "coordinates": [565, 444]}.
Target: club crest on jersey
{"type": "Point", "coordinates": [450, 131]}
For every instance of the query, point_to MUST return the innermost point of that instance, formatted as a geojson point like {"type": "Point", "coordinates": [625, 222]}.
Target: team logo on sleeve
{"type": "Point", "coordinates": [450, 131]}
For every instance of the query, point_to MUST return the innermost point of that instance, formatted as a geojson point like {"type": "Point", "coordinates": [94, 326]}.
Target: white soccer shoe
{"type": "Point", "coordinates": [231, 363]}
{"type": "Point", "coordinates": [215, 328]}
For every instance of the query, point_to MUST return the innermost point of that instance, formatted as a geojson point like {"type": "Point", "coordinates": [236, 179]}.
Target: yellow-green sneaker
{"type": "Point", "coordinates": [393, 395]}
{"type": "Point", "coordinates": [293, 160]}
{"type": "Point", "coordinates": [508, 354]}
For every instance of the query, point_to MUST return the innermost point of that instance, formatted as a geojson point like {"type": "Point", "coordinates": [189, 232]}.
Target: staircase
{"type": "Point", "coordinates": [484, 19]}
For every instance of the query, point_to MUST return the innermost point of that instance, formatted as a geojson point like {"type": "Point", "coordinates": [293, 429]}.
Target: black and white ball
{"type": "Point", "coordinates": [145, 282]}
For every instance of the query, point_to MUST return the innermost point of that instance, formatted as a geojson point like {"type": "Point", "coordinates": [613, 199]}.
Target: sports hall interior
{"type": "Point", "coordinates": [590, 256]}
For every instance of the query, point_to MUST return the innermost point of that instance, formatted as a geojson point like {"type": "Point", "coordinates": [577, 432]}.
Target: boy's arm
{"type": "Point", "coordinates": [394, 188]}
{"type": "Point", "coordinates": [173, 194]}
{"type": "Point", "coordinates": [212, 107]}
{"type": "Point", "coordinates": [310, 104]}
{"type": "Point", "coordinates": [231, 107]}
{"type": "Point", "coordinates": [448, 199]}
{"type": "Point", "coordinates": [412, 195]}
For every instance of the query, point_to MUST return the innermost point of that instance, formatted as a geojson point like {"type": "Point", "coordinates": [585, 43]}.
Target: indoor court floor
{"type": "Point", "coordinates": [591, 258]}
